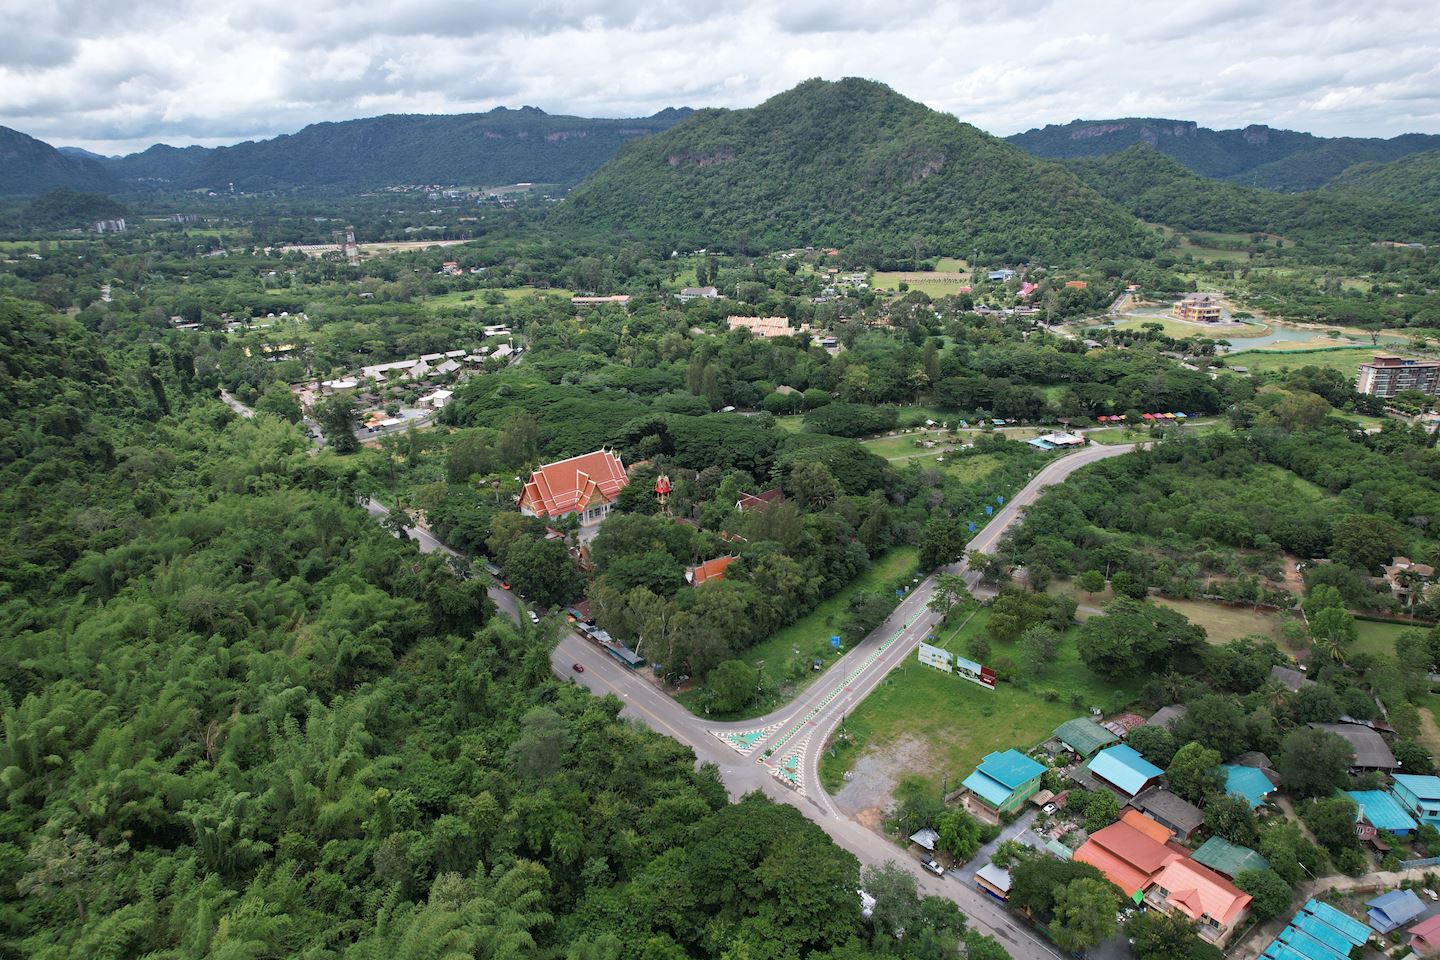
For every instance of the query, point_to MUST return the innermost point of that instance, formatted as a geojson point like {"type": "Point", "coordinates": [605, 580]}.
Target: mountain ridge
{"type": "Point", "coordinates": [1257, 155]}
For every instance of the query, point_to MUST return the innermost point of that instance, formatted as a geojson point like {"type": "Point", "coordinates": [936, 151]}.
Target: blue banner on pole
{"type": "Point", "coordinates": [972, 526]}
{"type": "Point", "coordinates": [989, 510]}
{"type": "Point", "coordinates": [999, 498]}
{"type": "Point", "coordinates": [835, 642]}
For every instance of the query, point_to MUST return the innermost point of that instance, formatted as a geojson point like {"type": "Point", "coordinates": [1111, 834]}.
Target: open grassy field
{"type": "Point", "coordinates": [960, 722]}
{"type": "Point", "coordinates": [794, 424]}
{"type": "Point", "coordinates": [1180, 330]}
{"type": "Point", "coordinates": [1345, 359]}
{"type": "Point", "coordinates": [973, 469]}
{"type": "Point", "coordinates": [903, 447]}
{"type": "Point", "coordinates": [934, 283]}
{"type": "Point", "coordinates": [1377, 638]}
{"type": "Point", "coordinates": [810, 636]}
{"type": "Point", "coordinates": [31, 246]}
{"type": "Point", "coordinates": [1222, 623]}
{"type": "Point", "coordinates": [1213, 254]}
{"type": "Point", "coordinates": [476, 298]}
{"type": "Point", "coordinates": [1117, 435]}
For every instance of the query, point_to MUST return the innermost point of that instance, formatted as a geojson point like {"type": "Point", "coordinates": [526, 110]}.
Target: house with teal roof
{"type": "Point", "coordinates": [1122, 768]}
{"type": "Point", "coordinates": [1248, 783]}
{"type": "Point", "coordinates": [1420, 796]}
{"type": "Point", "coordinates": [1382, 811]}
{"type": "Point", "coordinates": [1318, 932]}
{"type": "Point", "coordinates": [1005, 780]}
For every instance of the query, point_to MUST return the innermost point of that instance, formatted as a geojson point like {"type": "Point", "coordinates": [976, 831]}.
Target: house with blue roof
{"type": "Point", "coordinates": [1420, 796]}
{"type": "Point", "coordinates": [1383, 812]}
{"type": "Point", "coordinates": [1248, 783]}
{"type": "Point", "coordinates": [1005, 780]}
{"type": "Point", "coordinates": [1318, 932]}
{"type": "Point", "coordinates": [1393, 909]}
{"type": "Point", "coordinates": [1123, 769]}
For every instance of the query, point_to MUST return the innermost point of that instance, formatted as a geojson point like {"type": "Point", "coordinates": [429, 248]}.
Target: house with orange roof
{"type": "Point", "coordinates": [708, 571]}
{"type": "Point", "coordinates": [758, 501]}
{"type": "Point", "coordinates": [1130, 852]}
{"type": "Point", "coordinates": [588, 485]}
{"type": "Point", "coordinates": [1195, 891]}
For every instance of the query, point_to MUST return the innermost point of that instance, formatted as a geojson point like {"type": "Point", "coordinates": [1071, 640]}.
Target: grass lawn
{"type": "Point", "coordinates": [960, 722]}
{"type": "Point", "coordinates": [1345, 359]}
{"type": "Point", "coordinates": [810, 636]}
{"type": "Point", "coordinates": [903, 446]}
{"type": "Point", "coordinates": [1116, 435]}
{"type": "Point", "coordinates": [1215, 254]}
{"type": "Point", "coordinates": [1222, 624]}
{"type": "Point", "coordinates": [934, 284]}
{"type": "Point", "coordinates": [1378, 638]}
{"type": "Point", "coordinates": [476, 298]}
{"type": "Point", "coordinates": [974, 468]}
{"type": "Point", "coordinates": [1179, 330]}
{"type": "Point", "coordinates": [794, 424]}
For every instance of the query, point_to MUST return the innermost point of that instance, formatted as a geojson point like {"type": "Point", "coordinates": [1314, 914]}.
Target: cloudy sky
{"type": "Point", "coordinates": [118, 76]}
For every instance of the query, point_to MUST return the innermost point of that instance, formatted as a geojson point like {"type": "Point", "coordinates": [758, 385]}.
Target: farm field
{"type": "Point", "coordinates": [810, 635]}
{"type": "Point", "coordinates": [959, 722]}
{"type": "Point", "coordinates": [1222, 623]}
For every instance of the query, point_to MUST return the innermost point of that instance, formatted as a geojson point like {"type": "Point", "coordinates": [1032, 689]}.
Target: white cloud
{"type": "Point", "coordinates": [116, 77]}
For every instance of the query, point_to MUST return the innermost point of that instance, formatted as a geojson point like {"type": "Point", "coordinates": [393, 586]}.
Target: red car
{"type": "Point", "coordinates": [577, 668]}
{"type": "Point", "coordinates": [504, 585]}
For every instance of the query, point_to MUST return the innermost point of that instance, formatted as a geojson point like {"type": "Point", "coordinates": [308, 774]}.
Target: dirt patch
{"type": "Point", "coordinates": [874, 776]}
{"type": "Point", "coordinates": [1429, 730]}
{"type": "Point", "coordinates": [872, 818]}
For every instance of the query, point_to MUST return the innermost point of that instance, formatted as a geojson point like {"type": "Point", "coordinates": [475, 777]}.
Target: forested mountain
{"type": "Point", "coordinates": [1282, 160]}
{"type": "Point", "coordinates": [1411, 180]}
{"type": "Point", "coordinates": [30, 166]}
{"type": "Point", "coordinates": [474, 149]}
{"type": "Point", "coordinates": [842, 163]}
{"type": "Point", "coordinates": [64, 208]}
{"type": "Point", "coordinates": [1157, 189]}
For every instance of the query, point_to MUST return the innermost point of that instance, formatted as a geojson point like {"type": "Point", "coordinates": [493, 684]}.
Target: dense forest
{"type": "Point", "coordinates": [832, 164]}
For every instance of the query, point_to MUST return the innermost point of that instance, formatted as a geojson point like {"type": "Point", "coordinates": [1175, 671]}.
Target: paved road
{"type": "Point", "coordinates": [810, 718]}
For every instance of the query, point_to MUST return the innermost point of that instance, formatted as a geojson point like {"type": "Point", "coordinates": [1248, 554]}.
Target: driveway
{"type": "Point", "coordinates": [1018, 830]}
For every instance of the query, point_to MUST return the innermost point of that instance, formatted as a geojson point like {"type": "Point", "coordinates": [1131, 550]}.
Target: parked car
{"type": "Point", "coordinates": [577, 668]}
{"type": "Point", "coordinates": [534, 617]}
{"type": "Point", "coordinates": [934, 867]}
{"type": "Point", "coordinates": [504, 585]}
{"type": "Point", "coordinates": [1050, 808]}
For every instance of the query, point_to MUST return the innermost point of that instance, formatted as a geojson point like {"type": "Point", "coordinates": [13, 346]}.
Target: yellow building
{"type": "Point", "coordinates": [1198, 308]}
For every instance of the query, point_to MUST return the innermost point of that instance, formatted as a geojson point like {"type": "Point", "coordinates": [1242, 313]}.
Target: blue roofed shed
{"type": "Point", "coordinates": [1383, 812]}
{"type": "Point", "coordinates": [1318, 932]}
{"type": "Point", "coordinates": [1005, 780]}
{"type": "Point", "coordinates": [1393, 909]}
{"type": "Point", "coordinates": [1344, 924]}
{"type": "Point", "coordinates": [1123, 768]}
{"type": "Point", "coordinates": [1309, 946]}
{"type": "Point", "coordinates": [1419, 795]}
{"type": "Point", "coordinates": [1247, 782]}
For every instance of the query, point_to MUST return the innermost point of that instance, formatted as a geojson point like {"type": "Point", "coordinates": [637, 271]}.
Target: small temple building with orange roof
{"type": "Point", "coordinates": [588, 485]}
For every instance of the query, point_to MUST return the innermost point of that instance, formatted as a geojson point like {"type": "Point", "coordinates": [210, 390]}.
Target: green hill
{"type": "Point", "coordinates": [1257, 155]}
{"type": "Point", "coordinates": [845, 163]}
{"type": "Point", "coordinates": [1157, 189]}
{"type": "Point", "coordinates": [30, 166]}
{"type": "Point", "coordinates": [64, 208]}
{"type": "Point", "coordinates": [1411, 180]}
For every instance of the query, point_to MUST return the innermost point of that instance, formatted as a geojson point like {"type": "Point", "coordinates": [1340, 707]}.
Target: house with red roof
{"type": "Point", "coordinates": [758, 501]}
{"type": "Point", "coordinates": [708, 571]}
{"type": "Point", "coordinates": [1217, 906]}
{"type": "Point", "coordinates": [588, 485]}
{"type": "Point", "coordinates": [1130, 851]}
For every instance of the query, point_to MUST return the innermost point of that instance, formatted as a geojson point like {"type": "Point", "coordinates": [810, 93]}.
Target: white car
{"type": "Point", "coordinates": [534, 617]}
{"type": "Point", "coordinates": [933, 867]}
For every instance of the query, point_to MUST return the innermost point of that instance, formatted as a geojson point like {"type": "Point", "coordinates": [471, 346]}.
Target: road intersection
{"type": "Point", "coordinates": [778, 754]}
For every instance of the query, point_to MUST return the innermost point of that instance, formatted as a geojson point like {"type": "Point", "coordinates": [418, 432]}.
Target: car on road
{"type": "Point", "coordinates": [504, 584]}
{"type": "Point", "coordinates": [578, 668]}
{"type": "Point", "coordinates": [534, 617]}
{"type": "Point", "coordinates": [934, 867]}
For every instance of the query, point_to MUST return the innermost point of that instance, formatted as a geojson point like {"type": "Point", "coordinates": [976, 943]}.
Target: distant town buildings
{"type": "Point", "coordinates": [1198, 308]}
{"type": "Point", "coordinates": [1385, 376]}
{"type": "Point", "coordinates": [110, 226]}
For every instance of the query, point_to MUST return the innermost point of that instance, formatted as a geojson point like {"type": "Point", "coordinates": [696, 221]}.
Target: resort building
{"type": "Point", "coordinates": [588, 485]}
{"type": "Point", "coordinates": [1385, 376]}
{"type": "Point", "coordinates": [766, 328]}
{"type": "Point", "coordinates": [1198, 308]}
